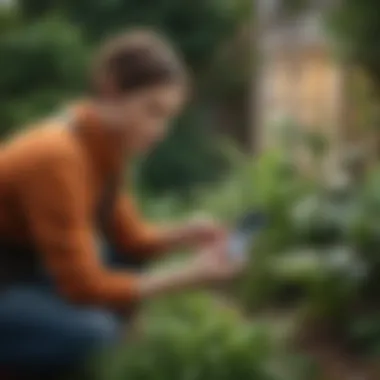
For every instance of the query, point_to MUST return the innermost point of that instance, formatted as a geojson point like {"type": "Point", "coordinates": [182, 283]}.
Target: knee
{"type": "Point", "coordinates": [99, 330]}
{"type": "Point", "coordinates": [90, 334]}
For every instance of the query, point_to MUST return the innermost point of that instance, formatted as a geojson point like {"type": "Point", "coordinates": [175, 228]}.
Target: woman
{"type": "Point", "coordinates": [61, 296]}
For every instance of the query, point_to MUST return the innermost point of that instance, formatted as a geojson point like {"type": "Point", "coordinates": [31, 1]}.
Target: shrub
{"type": "Point", "coordinates": [194, 337]}
{"type": "Point", "coordinates": [320, 252]}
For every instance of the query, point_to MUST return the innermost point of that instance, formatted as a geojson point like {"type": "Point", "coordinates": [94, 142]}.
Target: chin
{"type": "Point", "coordinates": [136, 150]}
{"type": "Point", "coordinates": [144, 151]}
{"type": "Point", "coordinates": [146, 148]}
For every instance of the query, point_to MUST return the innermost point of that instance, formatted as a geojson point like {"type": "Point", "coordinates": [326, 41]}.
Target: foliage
{"type": "Point", "coordinates": [197, 27]}
{"type": "Point", "coordinates": [170, 169]}
{"type": "Point", "coordinates": [41, 66]}
{"type": "Point", "coordinates": [320, 252]}
{"type": "Point", "coordinates": [197, 337]}
{"type": "Point", "coordinates": [356, 25]}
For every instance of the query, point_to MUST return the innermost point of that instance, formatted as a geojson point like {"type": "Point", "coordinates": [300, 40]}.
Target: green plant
{"type": "Point", "coordinates": [196, 337]}
{"type": "Point", "coordinates": [320, 253]}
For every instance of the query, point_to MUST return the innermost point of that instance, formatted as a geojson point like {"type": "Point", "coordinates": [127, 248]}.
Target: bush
{"type": "Point", "coordinates": [196, 337]}
{"type": "Point", "coordinates": [320, 252]}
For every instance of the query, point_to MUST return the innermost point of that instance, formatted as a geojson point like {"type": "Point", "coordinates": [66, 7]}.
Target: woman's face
{"type": "Point", "coordinates": [145, 115]}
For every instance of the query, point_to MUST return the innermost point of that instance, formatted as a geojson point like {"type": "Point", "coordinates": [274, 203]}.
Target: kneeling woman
{"type": "Point", "coordinates": [61, 295]}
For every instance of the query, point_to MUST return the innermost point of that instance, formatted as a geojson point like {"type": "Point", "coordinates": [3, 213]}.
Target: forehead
{"type": "Point", "coordinates": [169, 96]}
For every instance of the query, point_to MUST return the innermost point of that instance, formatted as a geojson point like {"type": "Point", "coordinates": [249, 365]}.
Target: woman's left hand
{"type": "Point", "coordinates": [201, 231]}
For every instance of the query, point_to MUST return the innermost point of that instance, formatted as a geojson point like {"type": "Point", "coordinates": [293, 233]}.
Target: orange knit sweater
{"type": "Point", "coordinates": [51, 182]}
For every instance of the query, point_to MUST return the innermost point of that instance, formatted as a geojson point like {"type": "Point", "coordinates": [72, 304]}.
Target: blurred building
{"type": "Point", "coordinates": [298, 80]}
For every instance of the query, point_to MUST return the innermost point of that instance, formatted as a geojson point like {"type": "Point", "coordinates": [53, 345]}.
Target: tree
{"type": "Point", "coordinates": [356, 28]}
{"type": "Point", "coordinates": [41, 66]}
{"type": "Point", "coordinates": [198, 27]}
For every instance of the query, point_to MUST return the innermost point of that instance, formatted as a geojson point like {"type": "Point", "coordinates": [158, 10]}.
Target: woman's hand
{"type": "Point", "coordinates": [211, 265]}
{"type": "Point", "coordinates": [214, 263]}
{"type": "Point", "coordinates": [198, 232]}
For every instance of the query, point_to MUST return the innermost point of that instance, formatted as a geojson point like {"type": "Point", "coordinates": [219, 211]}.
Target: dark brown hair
{"type": "Point", "coordinates": [134, 60]}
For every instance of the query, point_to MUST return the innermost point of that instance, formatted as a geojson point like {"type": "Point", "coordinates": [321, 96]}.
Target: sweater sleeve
{"type": "Point", "coordinates": [57, 210]}
{"type": "Point", "coordinates": [132, 233]}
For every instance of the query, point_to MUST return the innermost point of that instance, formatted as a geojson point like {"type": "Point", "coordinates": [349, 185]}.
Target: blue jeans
{"type": "Point", "coordinates": [40, 331]}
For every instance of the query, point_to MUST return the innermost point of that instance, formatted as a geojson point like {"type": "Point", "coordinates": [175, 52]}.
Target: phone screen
{"type": "Point", "coordinates": [242, 236]}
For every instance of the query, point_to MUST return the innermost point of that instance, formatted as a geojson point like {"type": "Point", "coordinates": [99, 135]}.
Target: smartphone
{"type": "Point", "coordinates": [247, 227]}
